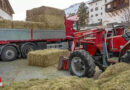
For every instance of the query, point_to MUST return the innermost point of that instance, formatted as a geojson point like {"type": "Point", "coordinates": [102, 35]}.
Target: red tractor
{"type": "Point", "coordinates": [98, 47]}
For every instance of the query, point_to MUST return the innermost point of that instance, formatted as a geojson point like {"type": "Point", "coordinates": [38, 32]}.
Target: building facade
{"type": "Point", "coordinates": [103, 12]}
{"type": "Point", "coordinates": [6, 11]}
{"type": "Point", "coordinates": [96, 11]}
{"type": "Point", "coordinates": [117, 11]}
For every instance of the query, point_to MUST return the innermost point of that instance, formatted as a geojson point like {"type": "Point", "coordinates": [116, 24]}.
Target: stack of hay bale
{"type": "Point", "coordinates": [43, 18]}
{"type": "Point", "coordinates": [45, 57]}
{"type": "Point", "coordinates": [53, 18]}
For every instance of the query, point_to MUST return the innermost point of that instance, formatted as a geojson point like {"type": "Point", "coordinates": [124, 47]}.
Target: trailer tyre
{"type": "Point", "coordinates": [25, 49]}
{"type": "Point", "coordinates": [81, 64]}
{"type": "Point", "coordinates": [9, 53]}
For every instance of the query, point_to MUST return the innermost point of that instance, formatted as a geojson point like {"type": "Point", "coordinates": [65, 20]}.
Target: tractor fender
{"type": "Point", "coordinates": [124, 49]}
{"type": "Point", "coordinates": [3, 46]}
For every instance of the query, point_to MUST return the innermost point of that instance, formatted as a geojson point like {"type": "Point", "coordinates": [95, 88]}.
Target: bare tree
{"type": "Point", "coordinates": [125, 15]}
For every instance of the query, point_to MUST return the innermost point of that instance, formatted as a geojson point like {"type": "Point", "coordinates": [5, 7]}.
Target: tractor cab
{"type": "Point", "coordinates": [116, 40]}
{"type": "Point", "coordinates": [71, 28]}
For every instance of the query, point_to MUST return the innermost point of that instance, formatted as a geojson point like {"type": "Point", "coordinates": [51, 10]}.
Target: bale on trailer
{"type": "Point", "coordinates": [39, 26]}
{"type": "Point", "coordinates": [45, 57]}
{"type": "Point", "coordinates": [18, 24]}
{"type": "Point", "coordinates": [52, 17]}
{"type": "Point", "coordinates": [5, 23]}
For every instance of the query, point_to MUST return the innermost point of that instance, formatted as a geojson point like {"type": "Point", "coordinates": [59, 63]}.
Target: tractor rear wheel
{"type": "Point", "coordinates": [81, 64]}
{"type": "Point", "coordinates": [126, 57]}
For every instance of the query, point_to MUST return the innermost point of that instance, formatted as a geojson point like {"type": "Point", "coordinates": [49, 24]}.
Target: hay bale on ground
{"type": "Point", "coordinates": [45, 57]}
{"type": "Point", "coordinates": [116, 77]}
{"type": "Point", "coordinates": [115, 69]}
{"type": "Point", "coordinates": [115, 81]}
{"type": "Point", "coordinates": [118, 82]}
{"type": "Point", "coordinates": [62, 83]}
{"type": "Point", "coordinates": [5, 23]}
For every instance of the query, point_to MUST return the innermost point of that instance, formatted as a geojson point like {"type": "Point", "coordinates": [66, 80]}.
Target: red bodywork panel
{"type": "Point", "coordinates": [118, 42]}
{"type": "Point", "coordinates": [94, 40]}
{"type": "Point", "coordinates": [92, 49]}
{"type": "Point", "coordinates": [69, 29]}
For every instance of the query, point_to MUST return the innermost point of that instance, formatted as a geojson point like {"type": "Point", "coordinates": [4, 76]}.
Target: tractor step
{"type": "Point", "coordinates": [113, 60]}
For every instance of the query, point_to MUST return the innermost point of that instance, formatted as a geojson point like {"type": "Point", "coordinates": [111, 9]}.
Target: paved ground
{"type": "Point", "coordinates": [19, 71]}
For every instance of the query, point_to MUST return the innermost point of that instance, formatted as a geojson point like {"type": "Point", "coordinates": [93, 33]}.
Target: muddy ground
{"type": "Point", "coordinates": [20, 71]}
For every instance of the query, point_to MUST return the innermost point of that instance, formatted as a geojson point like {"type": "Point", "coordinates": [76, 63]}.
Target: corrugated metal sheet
{"type": "Point", "coordinates": [14, 34]}
{"type": "Point", "coordinates": [48, 34]}
{"type": "Point", "coordinates": [20, 34]}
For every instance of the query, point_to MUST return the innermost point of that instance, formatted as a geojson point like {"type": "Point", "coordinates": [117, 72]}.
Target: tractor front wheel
{"type": "Point", "coordinates": [81, 64]}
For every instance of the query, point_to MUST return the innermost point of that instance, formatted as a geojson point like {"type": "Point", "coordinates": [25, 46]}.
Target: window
{"type": "Point", "coordinates": [126, 1]}
{"type": "Point", "coordinates": [101, 13]}
{"type": "Point", "coordinates": [91, 15]}
{"type": "Point", "coordinates": [101, 8]}
{"type": "Point", "coordinates": [91, 10]}
{"type": "Point", "coordinates": [100, 20]}
{"type": "Point", "coordinates": [105, 1]}
{"type": "Point", "coordinates": [108, 6]}
{"type": "Point", "coordinates": [96, 8]}
{"type": "Point", "coordinates": [115, 4]}
{"type": "Point", "coordinates": [96, 15]}
{"type": "Point", "coordinates": [75, 27]}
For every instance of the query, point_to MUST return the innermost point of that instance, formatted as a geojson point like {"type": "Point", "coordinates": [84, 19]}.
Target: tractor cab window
{"type": "Point", "coordinates": [75, 26]}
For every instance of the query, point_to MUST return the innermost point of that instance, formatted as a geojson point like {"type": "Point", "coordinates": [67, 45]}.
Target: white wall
{"type": "Point", "coordinates": [4, 15]}
{"type": "Point", "coordinates": [101, 9]}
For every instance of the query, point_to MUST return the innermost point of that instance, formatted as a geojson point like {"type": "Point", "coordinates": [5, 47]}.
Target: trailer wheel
{"type": "Point", "coordinates": [25, 49]}
{"type": "Point", "coordinates": [9, 53]}
{"type": "Point", "coordinates": [81, 64]}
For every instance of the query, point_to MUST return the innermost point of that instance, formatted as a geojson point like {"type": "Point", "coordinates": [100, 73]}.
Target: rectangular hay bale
{"type": "Point", "coordinates": [45, 57]}
{"type": "Point", "coordinates": [18, 24]}
{"type": "Point", "coordinates": [52, 17]}
{"type": "Point", "coordinates": [5, 23]}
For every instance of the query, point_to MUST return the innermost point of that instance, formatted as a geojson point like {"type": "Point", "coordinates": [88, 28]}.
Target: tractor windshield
{"type": "Point", "coordinates": [76, 26]}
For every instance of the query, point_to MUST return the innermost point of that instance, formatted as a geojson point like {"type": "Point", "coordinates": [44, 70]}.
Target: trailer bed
{"type": "Point", "coordinates": [26, 35]}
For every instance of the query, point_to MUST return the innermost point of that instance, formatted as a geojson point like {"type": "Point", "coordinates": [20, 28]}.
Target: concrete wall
{"type": "Point", "coordinates": [4, 15]}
